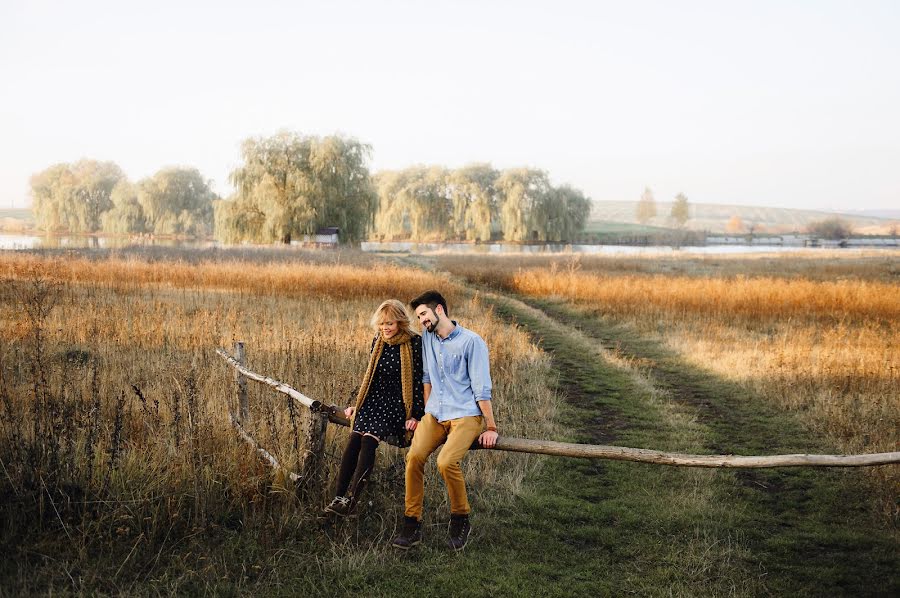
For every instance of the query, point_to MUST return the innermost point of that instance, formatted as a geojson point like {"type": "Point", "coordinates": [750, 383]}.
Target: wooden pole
{"type": "Point", "coordinates": [595, 451]}
{"type": "Point", "coordinates": [618, 453]}
{"type": "Point", "coordinates": [243, 401]}
{"type": "Point", "coordinates": [313, 457]}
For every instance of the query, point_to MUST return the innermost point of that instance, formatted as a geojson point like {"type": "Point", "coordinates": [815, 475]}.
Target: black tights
{"type": "Point", "coordinates": [357, 462]}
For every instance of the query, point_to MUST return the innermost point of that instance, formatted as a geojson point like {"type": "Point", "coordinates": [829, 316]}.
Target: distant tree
{"type": "Point", "coordinates": [73, 197]}
{"type": "Point", "coordinates": [474, 201]}
{"type": "Point", "coordinates": [176, 201]}
{"type": "Point", "coordinates": [413, 203]}
{"type": "Point", "coordinates": [680, 212]}
{"type": "Point", "coordinates": [430, 203]}
{"type": "Point", "coordinates": [392, 216]}
{"type": "Point", "coordinates": [646, 207]}
{"type": "Point", "coordinates": [561, 214]}
{"type": "Point", "coordinates": [520, 191]}
{"type": "Point", "coordinates": [292, 184]}
{"type": "Point", "coordinates": [830, 228]}
{"type": "Point", "coordinates": [126, 215]}
{"type": "Point", "coordinates": [735, 225]}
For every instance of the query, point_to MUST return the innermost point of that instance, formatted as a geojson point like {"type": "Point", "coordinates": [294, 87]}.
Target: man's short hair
{"type": "Point", "coordinates": [430, 298]}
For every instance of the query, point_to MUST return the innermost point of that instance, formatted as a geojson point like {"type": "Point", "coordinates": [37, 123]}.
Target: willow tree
{"type": "Point", "coordinates": [392, 215]}
{"type": "Point", "coordinates": [176, 201]}
{"type": "Point", "coordinates": [574, 209]}
{"type": "Point", "coordinates": [413, 203]}
{"type": "Point", "coordinates": [473, 201]}
{"type": "Point", "coordinates": [430, 203]}
{"type": "Point", "coordinates": [73, 197]}
{"type": "Point", "coordinates": [520, 190]}
{"type": "Point", "coordinates": [292, 184]}
{"type": "Point", "coordinates": [126, 214]}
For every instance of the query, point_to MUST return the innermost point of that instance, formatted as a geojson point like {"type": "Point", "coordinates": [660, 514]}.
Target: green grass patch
{"type": "Point", "coordinates": [798, 531]}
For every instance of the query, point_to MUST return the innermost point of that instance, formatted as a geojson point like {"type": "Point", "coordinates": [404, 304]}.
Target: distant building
{"type": "Point", "coordinates": [324, 237]}
{"type": "Point", "coordinates": [328, 235]}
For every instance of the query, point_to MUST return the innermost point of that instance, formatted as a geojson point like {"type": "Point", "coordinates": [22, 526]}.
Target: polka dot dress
{"type": "Point", "coordinates": [383, 414]}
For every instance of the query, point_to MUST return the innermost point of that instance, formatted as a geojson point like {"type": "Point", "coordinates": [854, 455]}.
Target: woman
{"type": "Point", "coordinates": [389, 403]}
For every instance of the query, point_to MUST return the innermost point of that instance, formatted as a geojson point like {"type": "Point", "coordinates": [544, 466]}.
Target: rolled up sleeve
{"type": "Point", "coordinates": [480, 370]}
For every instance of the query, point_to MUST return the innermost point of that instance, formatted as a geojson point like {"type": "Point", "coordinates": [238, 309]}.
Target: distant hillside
{"type": "Point", "coordinates": [715, 217]}
{"type": "Point", "coordinates": [884, 213]}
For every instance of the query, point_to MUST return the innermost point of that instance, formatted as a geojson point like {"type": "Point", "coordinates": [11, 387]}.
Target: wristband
{"type": "Point", "coordinates": [492, 428]}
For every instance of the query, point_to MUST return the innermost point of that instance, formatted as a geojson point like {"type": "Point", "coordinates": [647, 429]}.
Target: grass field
{"type": "Point", "coordinates": [715, 217]}
{"type": "Point", "coordinates": [816, 335]}
{"type": "Point", "coordinates": [121, 473]}
{"type": "Point", "coordinates": [116, 447]}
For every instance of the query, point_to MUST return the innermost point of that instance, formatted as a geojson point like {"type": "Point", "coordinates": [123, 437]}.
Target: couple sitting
{"type": "Point", "coordinates": [435, 388]}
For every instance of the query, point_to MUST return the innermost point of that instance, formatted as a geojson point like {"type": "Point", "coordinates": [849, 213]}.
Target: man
{"type": "Point", "coordinates": [457, 384]}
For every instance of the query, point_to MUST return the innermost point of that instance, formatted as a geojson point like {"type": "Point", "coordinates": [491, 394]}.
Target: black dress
{"type": "Point", "coordinates": [382, 413]}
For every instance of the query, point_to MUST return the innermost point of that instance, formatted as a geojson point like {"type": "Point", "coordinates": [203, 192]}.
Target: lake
{"type": "Point", "coordinates": [26, 242]}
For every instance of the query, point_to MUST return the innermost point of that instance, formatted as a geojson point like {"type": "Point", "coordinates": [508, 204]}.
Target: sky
{"type": "Point", "coordinates": [775, 103]}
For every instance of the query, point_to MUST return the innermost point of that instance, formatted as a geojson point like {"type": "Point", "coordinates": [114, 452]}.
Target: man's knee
{"type": "Point", "coordinates": [416, 458]}
{"type": "Point", "coordinates": [446, 465]}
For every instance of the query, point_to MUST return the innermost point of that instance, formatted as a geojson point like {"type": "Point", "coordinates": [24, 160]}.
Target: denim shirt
{"type": "Point", "coordinates": [459, 372]}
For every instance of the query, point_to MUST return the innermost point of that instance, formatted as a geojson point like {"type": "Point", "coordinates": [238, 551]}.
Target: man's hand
{"type": "Point", "coordinates": [348, 412]}
{"type": "Point", "coordinates": [411, 424]}
{"type": "Point", "coordinates": [488, 439]}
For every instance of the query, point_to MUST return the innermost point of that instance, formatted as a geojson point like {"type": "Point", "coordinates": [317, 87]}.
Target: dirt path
{"type": "Point", "coordinates": [807, 530]}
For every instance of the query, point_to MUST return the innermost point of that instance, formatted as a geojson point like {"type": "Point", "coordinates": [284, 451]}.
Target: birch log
{"type": "Point", "coordinates": [266, 455]}
{"type": "Point", "coordinates": [617, 453]}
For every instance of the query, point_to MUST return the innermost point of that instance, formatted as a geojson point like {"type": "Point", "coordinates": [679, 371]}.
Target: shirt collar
{"type": "Point", "coordinates": [456, 330]}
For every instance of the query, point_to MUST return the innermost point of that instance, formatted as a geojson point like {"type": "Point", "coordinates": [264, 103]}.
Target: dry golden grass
{"type": "Point", "coordinates": [285, 279]}
{"type": "Point", "coordinates": [111, 393]}
{"type": "Point", "coordinates": [824, 346]}
{"type": "Point", "coordinates": [755, 299]}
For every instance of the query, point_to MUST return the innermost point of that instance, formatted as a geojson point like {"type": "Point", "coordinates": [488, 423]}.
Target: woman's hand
{"type": "Point", "coordinates": [349, 411]}
{"type": "Point", "coordinates": [411, 423]}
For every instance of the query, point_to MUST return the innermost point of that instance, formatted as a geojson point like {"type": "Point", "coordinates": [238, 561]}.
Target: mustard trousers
{"type": "Point", "coordinates": [457, 435]}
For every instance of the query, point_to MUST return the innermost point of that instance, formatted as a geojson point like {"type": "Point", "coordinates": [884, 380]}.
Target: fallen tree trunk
{"type": "Point", "coordinates": [596, 451]}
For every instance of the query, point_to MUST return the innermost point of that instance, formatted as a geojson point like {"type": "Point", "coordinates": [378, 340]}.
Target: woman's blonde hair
{"type": "Point", "coordinates": [392, 310]}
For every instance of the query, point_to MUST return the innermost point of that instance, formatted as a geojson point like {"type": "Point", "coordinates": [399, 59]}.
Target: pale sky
{"type": "Point", "coordinates": [776, 103]}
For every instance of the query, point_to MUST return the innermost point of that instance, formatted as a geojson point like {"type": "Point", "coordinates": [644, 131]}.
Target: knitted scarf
{"type": "Point", "coordinates": [406, 375]}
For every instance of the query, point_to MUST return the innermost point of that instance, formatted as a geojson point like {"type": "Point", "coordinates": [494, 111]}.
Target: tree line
{"type": "Point", "coordinates": [477, 203]}
{"type": "Point", "coordinates": [291, 185]}
{"type": "Point", "coordinates": [90, 196]}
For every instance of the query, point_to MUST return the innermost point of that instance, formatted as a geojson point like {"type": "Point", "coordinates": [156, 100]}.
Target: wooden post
{"type": "Point", "coordinates": [243, 401]}
{"type": "Point", "coordinates": [312, 460]}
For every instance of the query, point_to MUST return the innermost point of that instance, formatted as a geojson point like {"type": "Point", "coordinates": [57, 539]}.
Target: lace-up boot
{"type": "Point", "coordinates": [459, 531]}
{"type": "Point", "coordinates": [410, 534]}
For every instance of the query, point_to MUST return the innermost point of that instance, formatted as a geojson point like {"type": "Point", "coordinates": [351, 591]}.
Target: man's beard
{"type": "Point", "coordinates": [430, 326]}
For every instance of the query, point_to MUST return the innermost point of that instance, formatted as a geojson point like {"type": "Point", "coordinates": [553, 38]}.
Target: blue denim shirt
{"type": "Point", "coordinates": [459, 372]}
